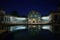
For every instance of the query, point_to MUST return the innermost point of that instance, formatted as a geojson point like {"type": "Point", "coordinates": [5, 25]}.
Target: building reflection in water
{"type": "Point", "coordinates": [32, 21]}
{"type": "Point", "coordinates": [14, 28]}
{"type": "Point", "coordinates": [48, 27]}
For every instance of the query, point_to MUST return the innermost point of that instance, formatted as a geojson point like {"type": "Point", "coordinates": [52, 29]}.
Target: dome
{"type": "Point", "coordinates": [34, 14]}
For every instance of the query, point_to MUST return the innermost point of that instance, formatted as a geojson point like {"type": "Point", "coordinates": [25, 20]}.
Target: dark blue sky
{"type": "Point", "coordinates": [24, 6]}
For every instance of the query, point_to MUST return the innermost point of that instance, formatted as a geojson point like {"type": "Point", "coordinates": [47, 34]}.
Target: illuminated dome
{"type": "Point", "coordinates": [34, 14]}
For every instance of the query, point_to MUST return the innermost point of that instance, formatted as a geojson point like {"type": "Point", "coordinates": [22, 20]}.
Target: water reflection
{"type": "Point", "coordinates": [13, 28]}
{"type": "Point", "coordinates": [48, 27]}
{"type": "Point", "coordinates": [21, 27]}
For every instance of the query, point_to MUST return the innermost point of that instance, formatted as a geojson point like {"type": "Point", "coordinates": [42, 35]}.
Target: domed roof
{"type": "Point", "coordinates": [34, 13]}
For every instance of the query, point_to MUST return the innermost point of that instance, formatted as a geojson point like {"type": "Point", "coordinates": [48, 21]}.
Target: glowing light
{"type": "Point", "coordinates": [45, 18]}
{"type": "Point", "coordinates": [20, 27]}
{"type": "Point", "coordinates": [17, 18]}
{"type": "Point", "coordinates": [17, 28]}
{"type": "Point", "coordinates": [21, 18]}
{"type": "Point", "coordinates": [46, 27]}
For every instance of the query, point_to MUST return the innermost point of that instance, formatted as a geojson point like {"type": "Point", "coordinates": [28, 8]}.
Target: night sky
{"type": "Point", "coordinates": [24, 6]}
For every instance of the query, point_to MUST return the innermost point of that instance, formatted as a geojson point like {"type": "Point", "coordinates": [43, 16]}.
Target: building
{"type": "Point", "coordinates": [33, 22]}
{"type": "Point", "coordinates": [34, 18]}
{"type": "Point", "coordinates": [56, 20]}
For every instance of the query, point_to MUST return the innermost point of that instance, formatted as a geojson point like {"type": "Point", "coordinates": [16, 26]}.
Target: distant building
{"type": "Point", "coordinates": [56, 20]}
{"type": "Point", "coordinates": [34, 18]}
{"type": "Point", "coordinates": [33, 21]}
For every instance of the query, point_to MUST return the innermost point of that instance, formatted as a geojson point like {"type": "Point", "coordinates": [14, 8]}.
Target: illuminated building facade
{"type": "Point", "coordinates": [32, 22]}
{"type": "Point", "coordinates": [34, 17]}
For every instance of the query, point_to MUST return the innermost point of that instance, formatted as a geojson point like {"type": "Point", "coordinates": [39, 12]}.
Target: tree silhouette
{"type": "Point", "coordinates": [58, 8]}
{"type": "Point", "coordinates": [2, 13]}
{"type": "Point", "coordinates": [58, 5]}
{"type": "Point", "coordinates": [14, 13]}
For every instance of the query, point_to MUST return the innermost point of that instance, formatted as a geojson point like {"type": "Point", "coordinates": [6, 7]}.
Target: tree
{"type": "Point", "coordinates": [58, 8]}
{"type": "Point", "coordinates": [2, 13]}
{"type": "Point", "coordinates": [14, 13]}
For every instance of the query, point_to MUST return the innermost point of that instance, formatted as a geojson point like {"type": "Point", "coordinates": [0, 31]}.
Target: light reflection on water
{"type": "Point", "coordinates": [21, 27]}
{"type": "Point", "coordinates": [17, 28]}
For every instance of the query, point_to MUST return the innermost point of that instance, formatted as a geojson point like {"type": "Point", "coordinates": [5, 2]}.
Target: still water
{"type": "Point", "coordinates": [22, 27]}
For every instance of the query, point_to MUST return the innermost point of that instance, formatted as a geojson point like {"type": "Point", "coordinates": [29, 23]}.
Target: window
{"type": "Point", "coordinates": [33, 21]}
